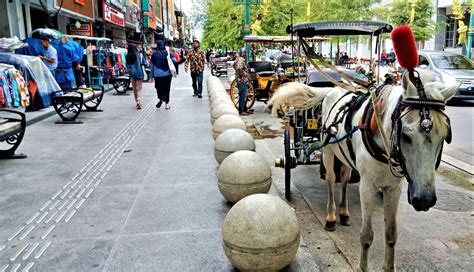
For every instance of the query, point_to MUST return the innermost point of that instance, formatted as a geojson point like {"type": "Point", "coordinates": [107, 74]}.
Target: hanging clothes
{"type": "Point", "coordinates": [13, 88]}
{"type": "Point", "coordinates": [33, 69]}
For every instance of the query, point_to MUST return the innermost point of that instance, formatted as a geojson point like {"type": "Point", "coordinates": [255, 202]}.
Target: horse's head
{"type": "Point", "coordinates": [419, 145]}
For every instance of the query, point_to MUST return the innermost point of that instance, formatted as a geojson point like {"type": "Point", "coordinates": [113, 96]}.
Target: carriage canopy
{"type": "Point", "coordinates": [330, 28]}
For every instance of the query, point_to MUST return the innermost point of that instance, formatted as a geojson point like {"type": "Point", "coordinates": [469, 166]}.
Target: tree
{"type": "Point", "coordinates": [399, 12]}
{"type": "Point", "coordinates": [220, 30]}
{"type": "Point", "coordinates": [333, 10]}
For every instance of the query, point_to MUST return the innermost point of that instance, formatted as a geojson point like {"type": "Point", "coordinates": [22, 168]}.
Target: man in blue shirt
{"type": "Point", "coordinates": [50, 55]}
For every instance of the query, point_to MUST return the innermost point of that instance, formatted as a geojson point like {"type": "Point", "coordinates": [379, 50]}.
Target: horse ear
{"type": "Point", "coordinates": [409, 89]}
{"type": "Point", "coordinates": [450, 91]}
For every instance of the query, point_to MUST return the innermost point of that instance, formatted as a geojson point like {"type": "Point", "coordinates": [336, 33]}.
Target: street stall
{"type": "Point", "coordinates": [37, 83]}
{"type": "Point", "coordinates": [98, 63]}
{"type": "Point", "coordinates": [68, 52]}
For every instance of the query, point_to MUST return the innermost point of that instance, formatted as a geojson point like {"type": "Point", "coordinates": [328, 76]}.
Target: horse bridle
{"type": "Point", "coordinates": [404, 106]}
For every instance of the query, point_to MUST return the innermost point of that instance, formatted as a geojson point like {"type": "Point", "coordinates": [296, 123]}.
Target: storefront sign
{"type": "Point", "coordinates": [113, 15]}
{"type": "Point", "coordinates": [84, 30]}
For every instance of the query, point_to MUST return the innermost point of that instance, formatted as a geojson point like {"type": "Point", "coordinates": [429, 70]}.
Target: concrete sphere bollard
{"type": "Point", "coordinates": [220, 110]}
{"type": "Point", "coordinates": [221, 100]}
{"type": "Point", "coordinates": [223, 96]}
{"type": "Point", "coordinates": [217, 92]}
{"type": "Point", "coordinates": [225, 122]}
{"type": "Point", "coordinates": [230, 141]}
{"type": "Point", "coordinates": [243, 173]}
{"type": "Point", "coordinates": [261, 233]}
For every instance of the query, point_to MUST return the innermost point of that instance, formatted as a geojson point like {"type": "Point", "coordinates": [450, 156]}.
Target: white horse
{"type": "Point", "coordinates": [419, 149]}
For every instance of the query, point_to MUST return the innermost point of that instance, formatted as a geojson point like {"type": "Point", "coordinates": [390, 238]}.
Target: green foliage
{"type": "Point", "coordinates": [219, 29]}
{"type": "Point", "coordinates": [399, 14]}
{"type": "Point", "coordinates": [277, 18]}
{"type": "Point", "coordinates": [333, 10]}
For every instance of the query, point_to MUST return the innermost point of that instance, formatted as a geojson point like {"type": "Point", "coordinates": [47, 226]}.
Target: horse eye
{"type": "Point", "coordinates": [406, 138]}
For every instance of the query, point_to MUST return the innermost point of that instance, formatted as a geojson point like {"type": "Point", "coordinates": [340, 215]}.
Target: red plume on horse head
{"type": "Point", "coordinates": [405, 46]}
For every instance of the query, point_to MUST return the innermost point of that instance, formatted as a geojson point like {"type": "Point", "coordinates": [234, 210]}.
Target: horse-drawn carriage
{"type": "Point", "coordinates": [304, 127]}
{"type": "Point", "coordinates": [381, 134]}
{"type": "Point", "coordinates": [271, 72]}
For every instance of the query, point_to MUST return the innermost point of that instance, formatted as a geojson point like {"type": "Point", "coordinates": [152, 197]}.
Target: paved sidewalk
{"type": "Point", "coordinates": [126, 190]}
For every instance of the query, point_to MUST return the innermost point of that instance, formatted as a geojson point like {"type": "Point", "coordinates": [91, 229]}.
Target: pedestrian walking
{"type": "Point", "coordinates": [196, 60]}
{"type": "Point", "coordinates": [178, 60]}
{"type": "Point", "coordinates": [136, 73]}
{"type": "Point", "coordinates": [162, 70]}
{"type": "Point", "coordinates": [243, 80]}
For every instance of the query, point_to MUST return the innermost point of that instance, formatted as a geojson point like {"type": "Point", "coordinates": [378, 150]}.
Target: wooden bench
{"type": "Point", "coordinates": [12, 130]}
{"type": "Point", "coordinates": [69, 104]}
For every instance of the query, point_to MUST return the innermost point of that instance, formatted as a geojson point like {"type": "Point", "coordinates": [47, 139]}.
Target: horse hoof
{"type": "Point", "coordinates": [345, 220]}
{"type": "Point", "coordinates": [330, 226]}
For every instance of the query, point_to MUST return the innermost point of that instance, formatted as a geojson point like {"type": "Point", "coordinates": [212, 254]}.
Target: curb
{"type": "Point", "coordinates": [463, 166]}
{"type": "Point", "coordinates": [49, 112]}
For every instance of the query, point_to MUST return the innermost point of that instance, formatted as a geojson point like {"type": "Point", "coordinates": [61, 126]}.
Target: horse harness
{"type": "Point", "coordinates": [395, 159]}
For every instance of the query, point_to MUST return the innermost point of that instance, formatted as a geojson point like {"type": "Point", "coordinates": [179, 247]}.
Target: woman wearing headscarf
{"type": "Point", "coordinates": [161, 72]}
{"type": "Point", "coordinates": [136, 73]}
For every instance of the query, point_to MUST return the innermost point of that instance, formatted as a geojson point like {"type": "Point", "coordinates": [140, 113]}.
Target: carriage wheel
{"type": "Point", "coordinates": [121, 85]}
{"type": "Point", "coordinates": [288, 164]}
{"type": "Point", "coordinates": [234, 95]}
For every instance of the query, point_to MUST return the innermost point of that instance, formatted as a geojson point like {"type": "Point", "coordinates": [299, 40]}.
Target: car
{"type": "Point", "coordinates": [451, 68]}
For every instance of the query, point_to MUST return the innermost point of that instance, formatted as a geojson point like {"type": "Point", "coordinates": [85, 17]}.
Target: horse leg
{"type": "Point", "coordinates": [328, 160]}
{"type": "Point", "coordinates": [391, 198]}
{"type": "Point", "coordinates": [367, 195]}
{"type": "Point", "coordinates": [344, 215]}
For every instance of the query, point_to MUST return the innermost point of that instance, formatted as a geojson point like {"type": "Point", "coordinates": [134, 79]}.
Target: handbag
{"type": "Point", "coordinates": [171, 65]}
{"type": "Point", "coordinates": [145, 74]}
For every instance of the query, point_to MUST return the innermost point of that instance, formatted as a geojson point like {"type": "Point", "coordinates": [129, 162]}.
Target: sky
{"type": "Point", "coordinates": [186, 6]}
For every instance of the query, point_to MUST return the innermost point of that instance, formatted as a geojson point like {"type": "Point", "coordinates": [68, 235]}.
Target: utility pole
{"type": "Point", "coordinates": [247, 26]}
{"type": "Point", "coordinates": [247, 19]}
{"type": "Point", "coordinates": [470, 33]}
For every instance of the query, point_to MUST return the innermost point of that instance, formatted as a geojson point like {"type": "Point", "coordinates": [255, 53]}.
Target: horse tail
{"type": "Point", "coordinates": [297, 95]}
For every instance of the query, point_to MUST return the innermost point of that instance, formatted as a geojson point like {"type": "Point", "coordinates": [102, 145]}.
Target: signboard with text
{"type": "Point", "coordinates": [84, 30]}
{"type": "Point", "coordinates": [113, 15]}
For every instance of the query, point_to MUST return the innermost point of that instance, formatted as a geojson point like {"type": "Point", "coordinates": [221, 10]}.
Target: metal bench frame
{"type": "Point", "coordinates": [13, 138]}
{"type": "Point", "coordinates": [121, 84]}
{"type": "Point", "coordinates": [74, 104]}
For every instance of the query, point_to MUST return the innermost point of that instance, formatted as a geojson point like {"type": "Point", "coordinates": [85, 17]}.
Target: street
{"type": "Point", "coordinates": [136, 190]}
{"type": "Point", "coordinates": [462, 122]}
